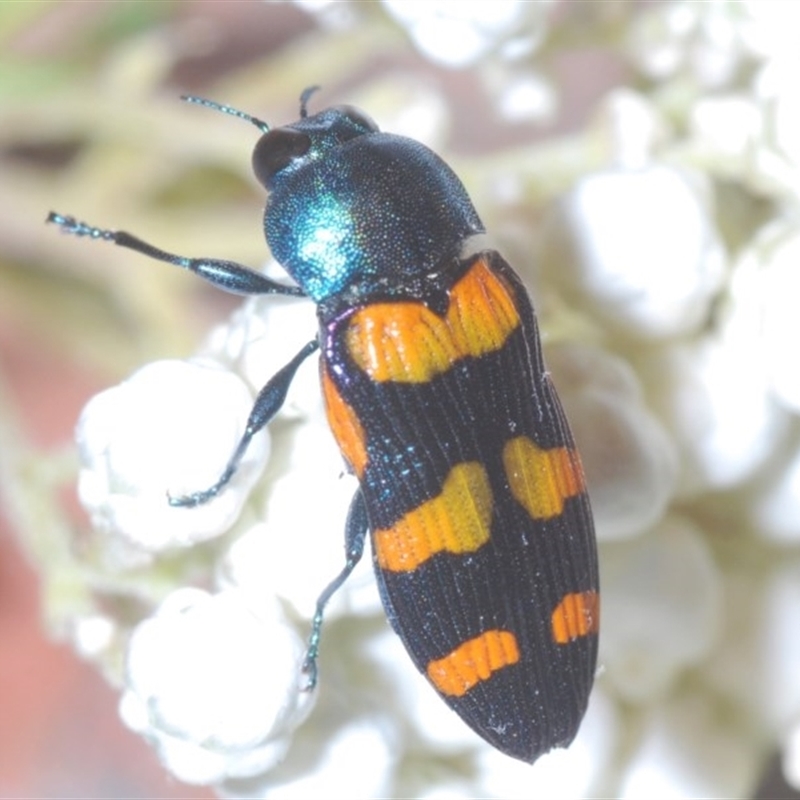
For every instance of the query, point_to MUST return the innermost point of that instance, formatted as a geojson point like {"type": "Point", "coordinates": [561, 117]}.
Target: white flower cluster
{"type": "Point", "coordinates": [667, 275]}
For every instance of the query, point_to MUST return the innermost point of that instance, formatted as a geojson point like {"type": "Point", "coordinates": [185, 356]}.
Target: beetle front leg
{"type": "Point", "coordinates": [226, 275]}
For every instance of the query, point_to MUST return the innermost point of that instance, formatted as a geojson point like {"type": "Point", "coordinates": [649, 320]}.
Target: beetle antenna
{"type": "Point", "coordinates": [304, 96]}
{"type": "Point", "coordinates": [234, 112]}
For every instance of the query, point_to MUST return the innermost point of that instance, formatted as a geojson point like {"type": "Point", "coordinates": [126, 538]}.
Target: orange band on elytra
{"type": "Point", "coordinates": [473, 661]}
{"type": "Point", "coordinates": [345, 426]}
{"type": "Point", "coordinates": [409, 343]}
{"type": "Point", "coordinates": [577, 615]}
{"type": "Point", "coordinates": [541, 480]}
{"type": "Point", "coordinates": [458, 520]}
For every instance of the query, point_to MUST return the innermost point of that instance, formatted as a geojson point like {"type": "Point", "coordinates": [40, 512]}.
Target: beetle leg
{"type": "Point", "coordinates": [267, 404]}
{"type": "Point", "coordinates": [355, 533]}
{"type": "Point", "coordinates": [227, 275]}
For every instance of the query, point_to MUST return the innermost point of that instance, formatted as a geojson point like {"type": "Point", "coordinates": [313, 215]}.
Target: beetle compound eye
{"type": "Point", "coordinates": [277, 149]}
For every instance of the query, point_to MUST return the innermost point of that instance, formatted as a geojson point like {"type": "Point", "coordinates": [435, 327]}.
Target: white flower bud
{"type": "Point", "coordinates": [661, 607]}
{"type": "Point", "coordinates": [167, 431]}
{"type": "Point", "coordinates": [638, 248]}
{"type": "Point", "coordinates": [216, 682]}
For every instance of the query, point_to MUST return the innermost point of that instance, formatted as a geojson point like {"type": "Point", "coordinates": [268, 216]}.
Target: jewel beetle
{"type": "Point", "coordinates": [470, 486]}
